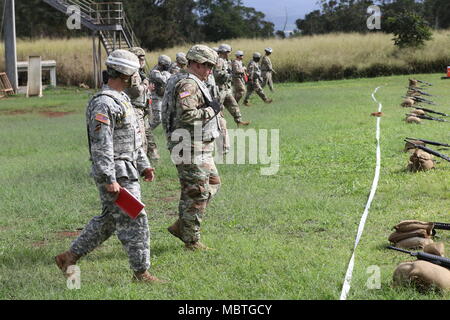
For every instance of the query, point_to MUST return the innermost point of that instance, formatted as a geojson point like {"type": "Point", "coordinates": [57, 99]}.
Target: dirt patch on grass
{"type": "Point", "coordinates": [55, 114]}
{"type": "Point", "coordinates": [15, 112]}
{"type": "Point", "coordinates": [170, 199]}
{"type": "Point", "coordinates": [39, 244]}
{"type": "Point", "coordinates": [67, 234]}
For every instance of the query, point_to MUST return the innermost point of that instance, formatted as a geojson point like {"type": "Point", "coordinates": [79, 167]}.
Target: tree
{"type": "Point", "coordinates": [410, 30]}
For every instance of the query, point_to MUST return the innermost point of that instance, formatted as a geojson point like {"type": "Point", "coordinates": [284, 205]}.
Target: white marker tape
{"type": "Point", "coordinates": [348, 275]}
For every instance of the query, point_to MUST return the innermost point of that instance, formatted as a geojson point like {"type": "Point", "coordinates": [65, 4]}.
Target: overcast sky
{"type": "Point", "coordinates": [275, 10]}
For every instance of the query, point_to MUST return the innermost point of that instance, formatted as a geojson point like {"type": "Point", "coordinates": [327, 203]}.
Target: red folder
{"type": "Point", "coordinates": [129, 204]}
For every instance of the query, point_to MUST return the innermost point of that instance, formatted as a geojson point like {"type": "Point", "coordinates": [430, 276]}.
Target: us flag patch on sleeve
{"type": "Point", "coordinates": [185, 94]}
{"type": "Point", "coordinates": [102, 118]}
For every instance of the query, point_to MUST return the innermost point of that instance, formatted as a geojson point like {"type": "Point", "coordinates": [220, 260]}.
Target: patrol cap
{"type": "Point", "coordinates": [257, 55]}
{"type": "Point", "coordinates": [202, 54]}
{"type": "Point", "coordinates": [137, 51]}
{"type": "Point", "coordinates": [269, 50]}
{"type": "Point", "coordinates": [181, 58]}
{"type": "Point", "coordinates": [123, 61]}
{"type": "Point", "coordinates": [225, 48]}
{"type": "Point", "coordinates": [239, 53]}
{"type": "Point", "coordinates": [164, 60]}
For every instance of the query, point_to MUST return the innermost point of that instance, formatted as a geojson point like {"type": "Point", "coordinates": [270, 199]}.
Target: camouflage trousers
{"type": "Point", "coordinates": [223, 141]}
{"type": "Point", "coordinates": [238, 89]}
{"type": "Point", "coordinates": [144, 127]}
{"type": "Point", "coordinates": [199, 182]}
{"type": "Point", "coordinates": [254, 86]}
{"type": "Point", "coordinates": [230, 103]}
{"type": "Point", "coordinates": [156, 114]}
{"type": "Point", "coordinates": [134, 234]}
{"type": "Point", "coordinates": [267, 79]}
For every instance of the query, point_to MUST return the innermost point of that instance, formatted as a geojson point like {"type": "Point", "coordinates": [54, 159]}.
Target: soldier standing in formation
{"type": "Point", "coordinates": [179, 64]}
{"type": "Point", "coordinates": [239, 73]}
{"type": "Point", "coordinates": [254, 80]}
{"type": "Point", "coordinates": [267, 69]}
{"type": "Point", "coordinates": [158, 76]}
{"type": "Point", "coordinates": [118, 160]}
{"type": "Point", "coordinates": [187, 104]}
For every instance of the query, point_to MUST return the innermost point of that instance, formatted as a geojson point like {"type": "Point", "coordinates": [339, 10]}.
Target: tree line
{"type": "Point", "coordinates": [351, 15]}
{"type": "Point", "coordinates": [157, 23]}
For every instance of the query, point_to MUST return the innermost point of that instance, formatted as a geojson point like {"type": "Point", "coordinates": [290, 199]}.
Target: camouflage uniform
{"type": "Point", "coordinates": [266, 72]}
{"type": "Point", "coordinates": [223, 77]}
{"type": "Point", "coordinates": [141, 101]}
{"type": "Point", "coordinates": [238, 71]}
{"type": "Point", "coordinates": [223, 142]}
{"type": "Point", "coordinates": [159, 77]}
{"type": "Point", "coordinates": [254, 82]}
{"type": "Point", "coordinates": [117, 156]}
{"type": "Point", "coordinates": [186, 102]}
{"type": "Point", "coordinates": [179, 64]}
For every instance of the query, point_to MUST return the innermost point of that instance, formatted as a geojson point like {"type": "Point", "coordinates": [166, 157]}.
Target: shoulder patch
{"type": "Point", "coordinates": [100, 117]}
{"type": "Point", "coordinates": [185, 94]}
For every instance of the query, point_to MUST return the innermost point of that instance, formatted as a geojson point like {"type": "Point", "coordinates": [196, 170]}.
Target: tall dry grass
{"type": "Point", "coordinates": [332, 56]}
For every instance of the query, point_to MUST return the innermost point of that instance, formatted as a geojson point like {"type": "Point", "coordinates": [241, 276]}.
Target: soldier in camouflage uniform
{"type": "Point", "coordinates": [118, 160]}
{"type": "Point", "coordinates": [239, 73]}
{"type": "Point", "coordinates": [187, 106]}
{"type": "Point", "coordinates": [140, 95]}
{"type": "Point", "coordinates": [267, 69]}
{"type": "Point", "coordinates": [179, 64]}
{"type": "Point", "coordinates": [158, 76]}
{"type": "Point", "coordinates": [254, 80]}
{"type": "Point", "coordinates": [223, 78]}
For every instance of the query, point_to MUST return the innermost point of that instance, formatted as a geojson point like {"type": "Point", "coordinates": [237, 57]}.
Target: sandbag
{"type": "Point", "coordinates": [423, 275]}
{"type": "Point", "coordinates": [410, 225]}
{"type": "Point", "coordinates": [435, 248]}
{"type": "Point", "coordinates": [414, 243]}
{"type": "Point", "coordinates": [412, 119]}
{"type": "Point", "coordinates": [399, 236]}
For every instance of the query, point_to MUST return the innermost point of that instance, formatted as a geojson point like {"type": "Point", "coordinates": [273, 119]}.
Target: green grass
{"type": "Point", "coordinates": [286, 236]}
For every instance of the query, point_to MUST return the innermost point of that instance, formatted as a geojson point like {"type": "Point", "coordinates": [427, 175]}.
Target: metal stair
{"type": "Point", "coordinates": [108, 19]}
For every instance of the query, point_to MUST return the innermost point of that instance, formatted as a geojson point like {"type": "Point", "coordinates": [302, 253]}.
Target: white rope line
{"type": "Point", "coordinates": [348, 275]}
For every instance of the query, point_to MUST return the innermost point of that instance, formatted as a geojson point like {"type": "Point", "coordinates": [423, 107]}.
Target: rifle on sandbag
{"type": "Point", "coordinates": [424, 82]}
{"type": "Point", "coordinates": [433, 143]}
{"type": "Point", "coordinates": [440, 261]}
{"type": "Point", "coordinates": [430, 151]}
{"type": "Point", "coordinates": [420, 99]}
{"type": "Point", "coordinates": [425, 117]}
{"type": "Point", "coordinates": [420, 91]}
{"type": "Point", "coordinates": [432, 111]}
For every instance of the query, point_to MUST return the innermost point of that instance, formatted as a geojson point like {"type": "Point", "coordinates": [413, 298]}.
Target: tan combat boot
{"type": "Point", "coordinates": [146, 277]}
{"type": "Point", "coordinates": [66, 259]}
{"type": "Point", "coordinates": [196, 246]}
{"type": "Point", "coordinates": [268, 101]}
{"type": "Point", "coordinates": [153, 155]}
{"type": "Point", "coordinates": [247, 104]}
{"type": "Point", "coordinates": [175, 229]}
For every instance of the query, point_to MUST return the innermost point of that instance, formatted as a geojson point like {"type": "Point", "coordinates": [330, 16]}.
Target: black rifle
{"type": "Point", "coordinates": [433, 143]}
{"type": "Point", "coordinates": [419, 99]}
{"type": "Point", "coordinates": [440, 226]}
{"type": "Point", "coordinates": [430, 151]}
{"type": "Point", "coordinates": [425, 117]}
{"type": "Point", "coordinates": [424, 82]}
{"type": "Point", "coordinates": [432, 111]}
{"type": "Point", "coordinates": [440, 261]}
{"type": "Point", "coordinates": [420, 91]}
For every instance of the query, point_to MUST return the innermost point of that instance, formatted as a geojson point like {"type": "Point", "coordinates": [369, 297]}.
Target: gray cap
{"type": "Point", "coordinates": [239, 53]}
{"type": "Point", "coordinates": [225, 48]}
{"type": "Point", "coordinates": [137, 51]}
{"type": "Point", "coordinates": [123, 61]}
{"type": "Point", "coordinates": [216, 49]}
{"type": "Point", "coordinates": [257, 55]}
{"type": "Point", "coordinates": [202, 54]}
{"type": "Point", "coordinates": [269, 50]}
{"type": "Point", "coordinates": [181, 58]}
{"type": "Point", "coordinates": [164, 60]}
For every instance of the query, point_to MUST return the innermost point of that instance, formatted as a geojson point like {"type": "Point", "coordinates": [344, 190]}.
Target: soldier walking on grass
{"type": "Point", "coordinates": [187, 107]}
{"type": "Point", "coordinates": [118, 160]}
{"type": "Point", "coordinates": [267, 69]}
{"type": "Point", "coordinates": [254, 80]}
{"type": "Point", "coordinates": [239, 75]}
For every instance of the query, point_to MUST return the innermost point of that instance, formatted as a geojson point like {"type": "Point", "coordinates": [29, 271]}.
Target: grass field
{"type": "Point", "coordinates": [286, 236]}
{"type": "Point", "coordinates": [321, 57]}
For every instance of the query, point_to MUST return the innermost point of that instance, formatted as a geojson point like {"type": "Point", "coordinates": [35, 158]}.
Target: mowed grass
{"type": "Point", "coordinates": [285, 236]}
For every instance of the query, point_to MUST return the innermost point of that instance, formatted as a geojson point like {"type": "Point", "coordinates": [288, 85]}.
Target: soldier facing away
{"type": "Point", "coordinates": [179, 64]}
{"type": "Point", "coordinates": [254, 80]}
{"type": "Point", "coordinates": [118, 160]}
{"type": "Point", "coordinates": [158, 76]}
{"type": "Point", "coordinates": [267, 69]}
{"type": "Point", "coordinates": [239, 73]}
{"type": "Point", "coordinates": [187, 104]}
